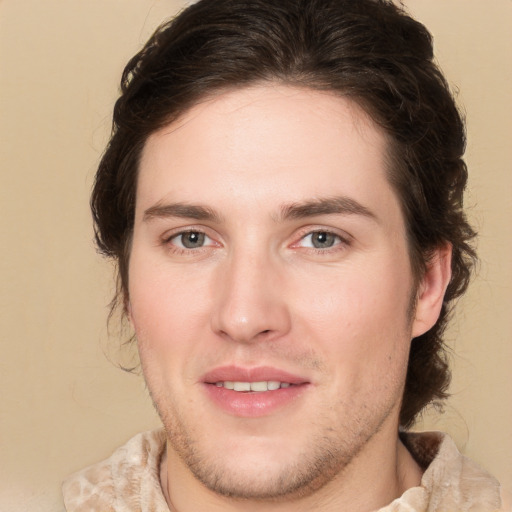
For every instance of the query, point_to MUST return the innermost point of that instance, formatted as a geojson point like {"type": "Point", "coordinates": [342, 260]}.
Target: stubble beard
{"type": "Point", "coordinates": [327, 455]}
{"type": "Point", "coordinates": [332, 445]}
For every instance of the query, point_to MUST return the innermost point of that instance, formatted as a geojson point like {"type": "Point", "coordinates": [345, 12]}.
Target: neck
{"type": "Point", "coordinates": [380, 473]}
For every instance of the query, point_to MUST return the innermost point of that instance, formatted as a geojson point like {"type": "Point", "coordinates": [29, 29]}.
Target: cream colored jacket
{"type": "Point", "coordinates": [129, 480]}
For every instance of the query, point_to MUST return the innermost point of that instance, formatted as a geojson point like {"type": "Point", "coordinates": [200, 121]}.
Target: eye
{"type": "Point", "coordinates": [320, 240]}
{"type": "Point", "coordinates": [191, 240]}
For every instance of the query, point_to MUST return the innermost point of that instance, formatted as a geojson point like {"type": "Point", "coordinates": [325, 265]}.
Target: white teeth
{"type": "Point", "coordinates": [261, 386]}
{"type": "Point", "coordinates": [242, 386]}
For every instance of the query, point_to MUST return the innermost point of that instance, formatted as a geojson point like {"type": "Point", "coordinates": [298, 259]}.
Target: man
{"type": "Point", "coordinates": [282, 193]}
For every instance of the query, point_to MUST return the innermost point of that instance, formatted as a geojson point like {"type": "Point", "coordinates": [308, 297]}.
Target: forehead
{"type": "Point", "coordinates": [265, 143]}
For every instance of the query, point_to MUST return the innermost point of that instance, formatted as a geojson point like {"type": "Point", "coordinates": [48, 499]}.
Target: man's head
{"type": "Point", "coordinates": [363, 61]}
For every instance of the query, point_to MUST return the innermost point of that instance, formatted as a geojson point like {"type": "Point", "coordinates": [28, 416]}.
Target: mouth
{"type": "Point", "coordinates": [254, 387]}
{"type": "Point", "coordinates": [253, 392]}
{"type": "Point", "coordinates": [257, 379]}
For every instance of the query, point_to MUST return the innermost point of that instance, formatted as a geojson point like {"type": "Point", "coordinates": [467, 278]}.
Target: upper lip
{"type": "Point", "coordinates": [256, 374]}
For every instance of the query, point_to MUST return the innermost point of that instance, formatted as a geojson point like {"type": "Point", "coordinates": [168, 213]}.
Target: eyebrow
{"type": "Point", "coordinates": [181, 210]}
{"type": "Point", "coordinates": [340, 205]}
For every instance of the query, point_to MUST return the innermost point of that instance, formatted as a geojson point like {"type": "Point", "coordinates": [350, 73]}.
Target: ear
{"type": "Point", "coordinates": [432, 289]}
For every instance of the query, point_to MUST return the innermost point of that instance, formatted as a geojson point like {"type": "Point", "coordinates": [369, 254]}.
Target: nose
{"type": "Point", "coordinates": [250, 304]}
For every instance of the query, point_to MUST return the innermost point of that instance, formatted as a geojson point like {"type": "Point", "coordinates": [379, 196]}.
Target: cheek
{"type": "Point", "coordinates": [168, 319]}
{"type": "Point", "coordinates": [166, 307]}
{"type": "Point", "coordinates": [359, 319]}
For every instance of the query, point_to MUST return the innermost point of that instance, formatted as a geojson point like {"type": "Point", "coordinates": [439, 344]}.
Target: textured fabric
{"type": "Point", "coordinates": [129, 480]}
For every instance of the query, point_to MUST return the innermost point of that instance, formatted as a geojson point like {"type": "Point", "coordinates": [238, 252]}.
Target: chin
{"type": "Point", "coordinates": [259, 469]}
{"type": "Point", "coordinates": [263, 481]}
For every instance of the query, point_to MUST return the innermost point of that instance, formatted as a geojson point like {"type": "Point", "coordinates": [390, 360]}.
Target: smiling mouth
{"type": "Point", "coordinates": [253, 392]}
{"type": "Point", "coordinates": [255, 387]}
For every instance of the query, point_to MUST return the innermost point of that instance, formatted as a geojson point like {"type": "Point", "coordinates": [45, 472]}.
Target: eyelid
{"type": "Point", "coordinates": [180, 244]}
{"type": "Point", "coordinates": [172, 232]}
{"type": "Point", "coordinates": [167, 237]}
{"type": "Point", "coordinates": [344, 237]}
{"type": "Point", "coordinates": [308, 230]}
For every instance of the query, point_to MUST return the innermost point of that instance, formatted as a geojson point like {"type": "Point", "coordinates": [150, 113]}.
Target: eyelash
{"type": "Point", "coordinates": [167, 241]}
{"type": "Point", "coordinates": [341, 242]}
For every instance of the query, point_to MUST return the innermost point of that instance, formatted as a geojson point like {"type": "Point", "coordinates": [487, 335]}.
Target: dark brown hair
{"type": "Point", "coordinates": [368, 50]}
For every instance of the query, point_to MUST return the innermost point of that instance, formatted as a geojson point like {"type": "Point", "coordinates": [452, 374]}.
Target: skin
{"type": "Point", "coordinates": [257, 292]}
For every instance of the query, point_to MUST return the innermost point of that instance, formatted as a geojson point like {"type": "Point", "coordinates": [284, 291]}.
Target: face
{"type": "Point", "coordinates": [269, 289]}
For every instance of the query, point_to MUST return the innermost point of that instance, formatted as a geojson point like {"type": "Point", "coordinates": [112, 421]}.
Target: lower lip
{"type": "Point", "coordinates": [254, 404]}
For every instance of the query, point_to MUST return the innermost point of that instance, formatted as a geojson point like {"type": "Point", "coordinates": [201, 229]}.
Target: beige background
{"type": "Point", "coordinates": [63, 405]}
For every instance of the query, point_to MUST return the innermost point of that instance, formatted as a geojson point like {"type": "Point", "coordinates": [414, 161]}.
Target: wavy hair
{"type": "Point", "coordinates": [370, 51]}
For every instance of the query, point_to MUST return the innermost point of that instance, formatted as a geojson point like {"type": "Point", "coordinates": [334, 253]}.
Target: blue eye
{"type": "Point", "coordinates": [320, 240]}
